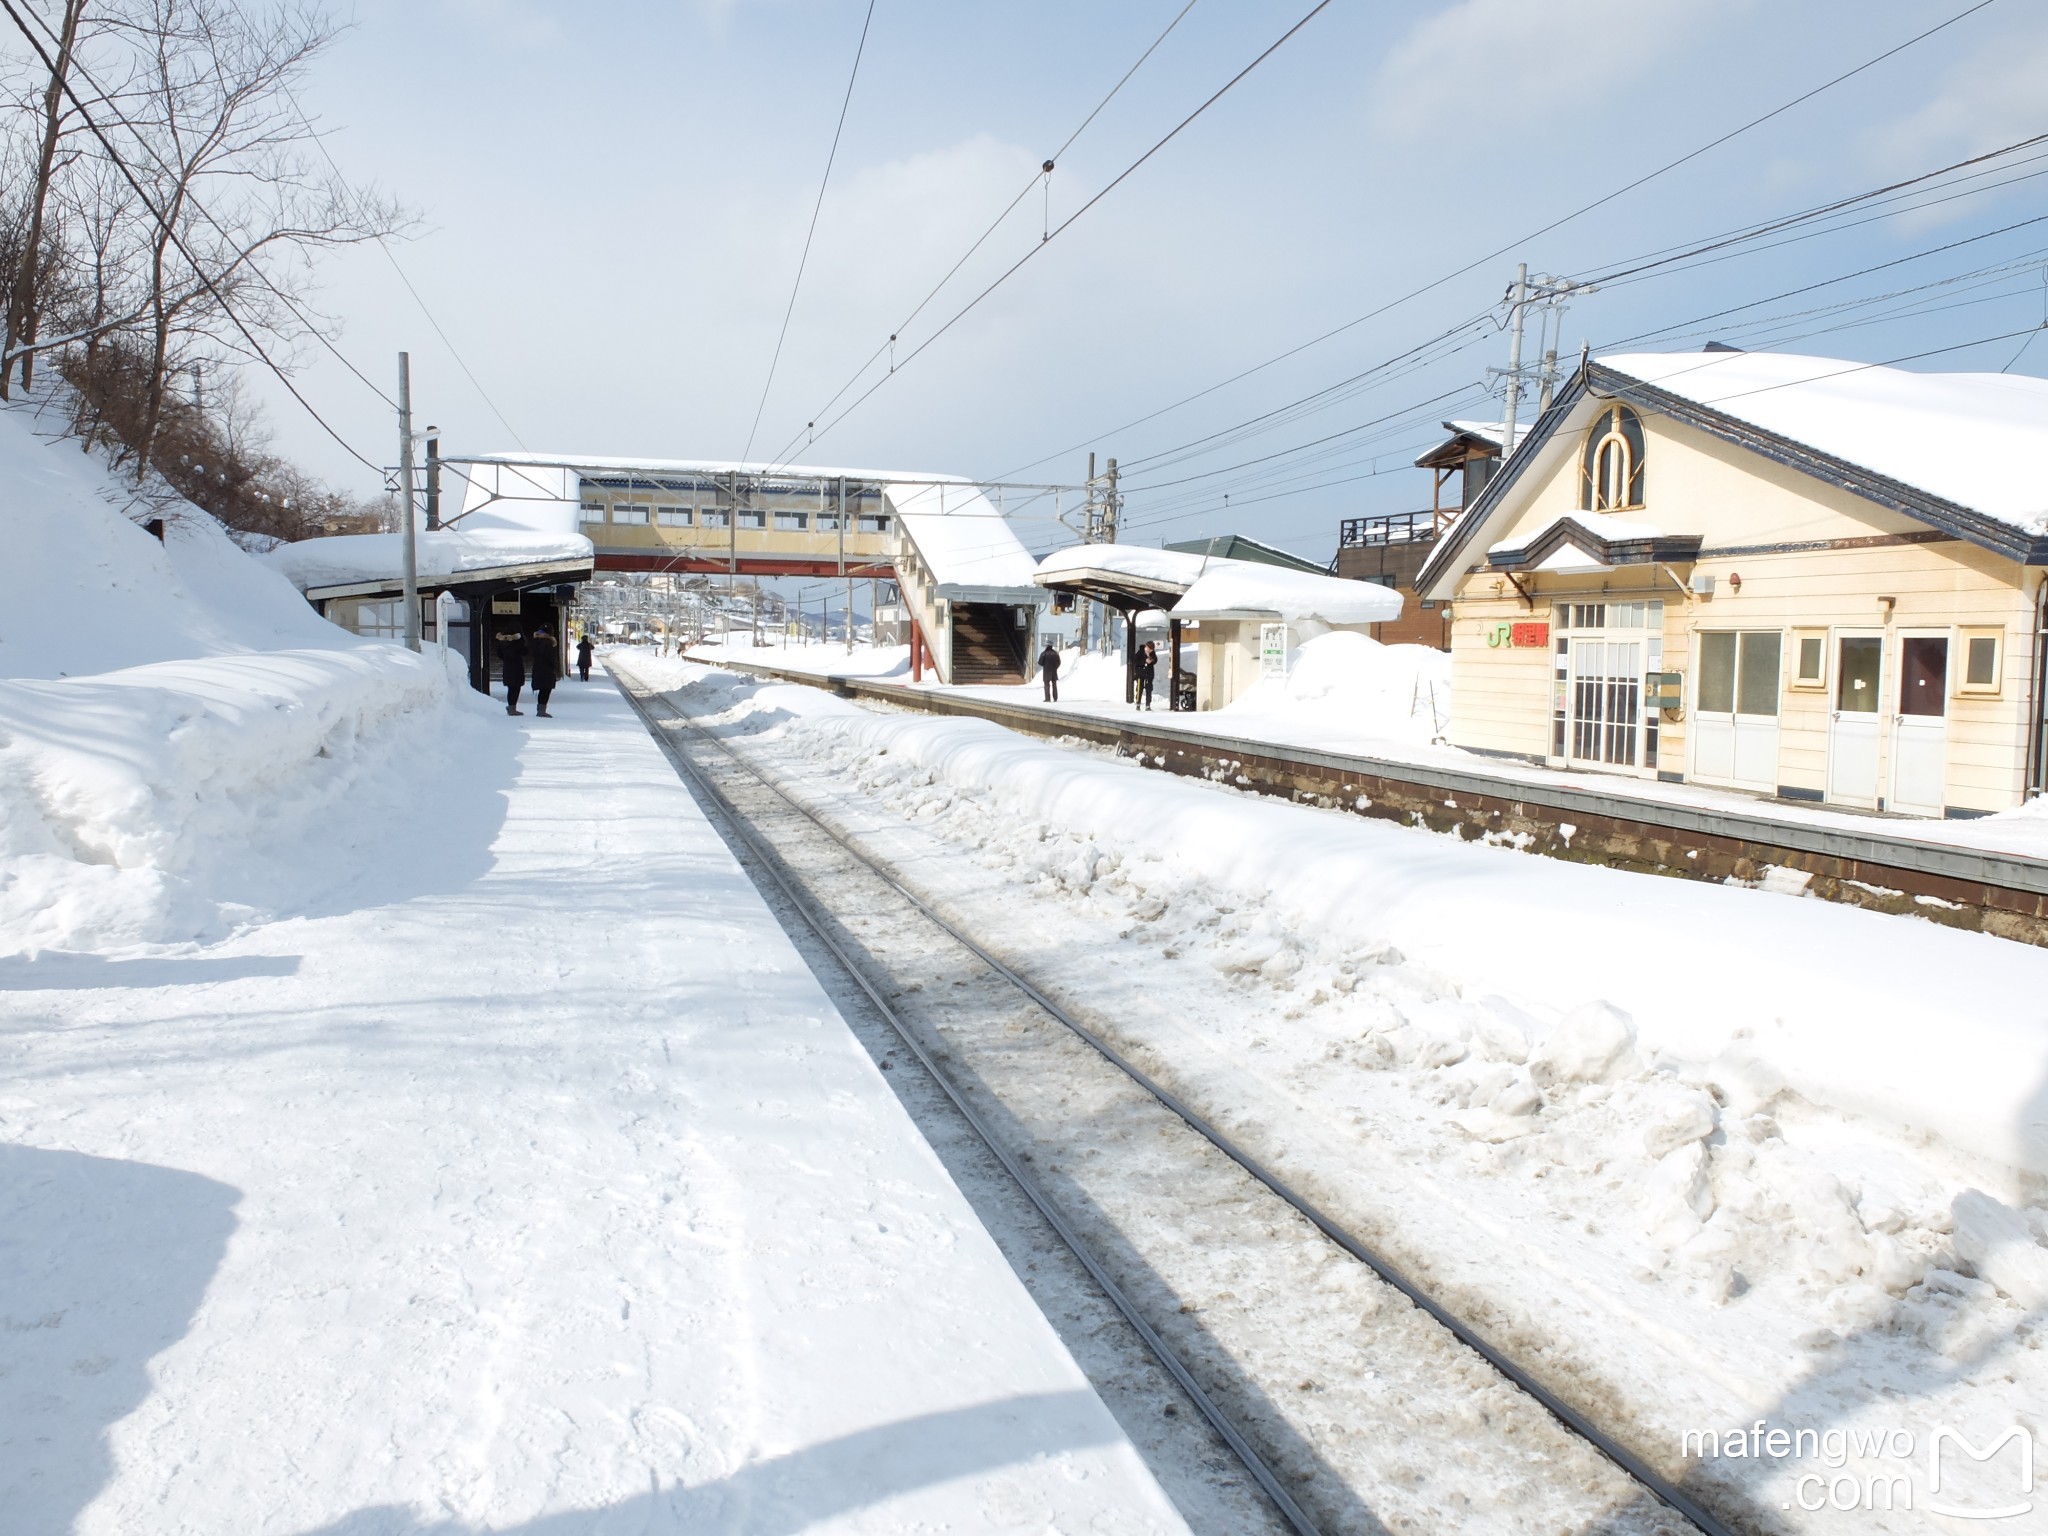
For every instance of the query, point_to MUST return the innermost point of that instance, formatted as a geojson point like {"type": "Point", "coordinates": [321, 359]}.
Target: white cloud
{"type": "Point", "coordinates": [1505, 66]}
{"type": "Point", "coordinates": [1990, 98]}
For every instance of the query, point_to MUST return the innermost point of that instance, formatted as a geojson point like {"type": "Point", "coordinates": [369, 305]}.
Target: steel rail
{"type": "Point", "coordinates": [1567, 1415]}
{"type": "Point", "coordinates": [807, 909]}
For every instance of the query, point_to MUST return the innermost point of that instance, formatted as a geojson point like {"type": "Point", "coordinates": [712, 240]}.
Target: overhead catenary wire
{"type": "Point", "coordinates": [811, 233]}
{"type": "Point", "coordinates": [1078, 214]}
{"type": "Point", "coordinates": [384, 245]}
{"type": "Point", "coordinates": [171, 233]}
{"type": "Point", "coordinates": [1037, 177]}
{"type": "Point", "coordinates": [1494, 255]}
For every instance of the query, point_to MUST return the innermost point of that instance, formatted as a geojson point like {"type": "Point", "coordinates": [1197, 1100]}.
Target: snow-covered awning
{"type": "Point", "coordinates": [1208, 588]}
{"type": "Point", "coordinates": [1241, 589]}
{"type": "Point", "coordinates": [1128, 574]}
{"type": "Point", "coordinates": [1591, 540]}
{"type": "Point", "coordinates": [360, 564]}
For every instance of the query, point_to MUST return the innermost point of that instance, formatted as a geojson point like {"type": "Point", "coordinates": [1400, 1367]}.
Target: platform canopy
{"type": "Point", "coordinates": [365, 564]}
{"type": "Point", "coordinates": [1191, 586]}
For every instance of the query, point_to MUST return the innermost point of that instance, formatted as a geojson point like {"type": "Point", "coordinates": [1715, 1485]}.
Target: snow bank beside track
{"type": "Point", "coordinates": [168, 802]}
{"type": "Point", "coordinates": [184, 743]}
{"type": "Point", "coordinates": [1923, 1027]}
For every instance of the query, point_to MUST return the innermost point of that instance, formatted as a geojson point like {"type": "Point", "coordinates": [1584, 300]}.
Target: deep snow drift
{"type": "Point", "coordinates": [175, 722]}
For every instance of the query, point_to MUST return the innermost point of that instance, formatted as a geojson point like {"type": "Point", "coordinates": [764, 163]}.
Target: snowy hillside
{"type": "Point", "coordinates": [175, 723]}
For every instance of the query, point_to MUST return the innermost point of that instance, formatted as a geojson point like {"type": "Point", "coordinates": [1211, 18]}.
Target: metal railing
{"type": "Point", "coordinates": [1388, 528]}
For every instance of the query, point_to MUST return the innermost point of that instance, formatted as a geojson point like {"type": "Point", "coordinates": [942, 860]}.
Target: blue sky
{"type": "Point", "coordinates": [614, 198]}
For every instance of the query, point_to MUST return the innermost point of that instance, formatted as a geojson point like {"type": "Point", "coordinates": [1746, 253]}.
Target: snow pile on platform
{"type": "Point", "coordinates": [363, 557]}
{"type": "Point", "coordinates": [188, 781]}
{"type": "Point", "coordinates": [961, 536]}
{"type": "Point", "coordinates": [1976, 439]}
{"type": "Point", "coordinates": [1349, 680]}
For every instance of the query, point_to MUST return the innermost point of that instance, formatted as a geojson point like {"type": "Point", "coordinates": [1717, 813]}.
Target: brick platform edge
{"type": "Point", "coordinates": [2005, 895]}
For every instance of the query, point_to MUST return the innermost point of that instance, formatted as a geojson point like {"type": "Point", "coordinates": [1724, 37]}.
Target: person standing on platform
{"type": "Point", "coordinates": [1049, 671]}
{"type": "Point", "coordinates": [1147, 667]}
{"type": "Point", "coordinates": [511, 647]}
{"type": "Point", "coordinates": [583, 650]}
{"type": "Point", "coordinates": [546, 664]}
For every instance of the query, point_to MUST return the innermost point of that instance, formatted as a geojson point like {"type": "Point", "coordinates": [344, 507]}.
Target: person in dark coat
{"type": "Point", "coordinates": [545, 659]}
{"type": "Point", "coordinates": [1147, 665]}
{"type": "Point", "coordinates": [511, 647]}
{"type": "Point", "coordinates": [583, 650]}
{"type": "Point", "coordinates": [1049, 670]}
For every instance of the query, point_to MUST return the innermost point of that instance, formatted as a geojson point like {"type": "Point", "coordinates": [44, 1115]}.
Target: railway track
{"type": "Point", "coordinates": [1344, 1389]}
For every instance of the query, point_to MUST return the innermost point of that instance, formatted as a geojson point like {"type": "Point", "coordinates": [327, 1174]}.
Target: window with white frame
{"type": "Point", "coordinates": [1611, 466]}
{"type": "Point", "coordinates": [593, 512]}
{"type": "Point", "coordinates": [625, 512]}
{"type": "Point", "coordinates": [1983, 661]}
{"type": "Point", "coordinates": [792, 522]}
{"type": "Point", "coordinates": [751, 519]}
{"type": "Point", "coordinates": [672, 517]}
{"type": "Point", "coordinates": [873, 524]}
{"type": "Point", "coordinates": [380, 621]}
{"type": "Point", "coordinates": [714, 517]}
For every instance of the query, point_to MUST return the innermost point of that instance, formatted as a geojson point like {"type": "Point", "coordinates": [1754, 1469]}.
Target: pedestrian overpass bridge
{"type": "Point", "coordinates": [947, 543]}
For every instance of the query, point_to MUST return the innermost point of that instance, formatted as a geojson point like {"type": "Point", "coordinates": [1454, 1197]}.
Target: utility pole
{"type": "Point", "coordinates": [411, 558]}
{"type": "Point", "coordinates": [1507, 431]}
{"type": "Point", "coordinates": [1087, 537]}
{"type": "Point", "coordinates": [843, 576]}
{"type": "Point", "coordinates": [433, 478]}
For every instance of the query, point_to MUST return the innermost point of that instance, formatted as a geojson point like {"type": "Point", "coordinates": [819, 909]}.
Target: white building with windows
{"type": "Point", "coordinates": [1808, 578]}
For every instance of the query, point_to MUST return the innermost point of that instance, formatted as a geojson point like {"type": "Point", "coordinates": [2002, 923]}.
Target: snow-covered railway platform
{"type": "Point", "coordinates": [528, 1183]}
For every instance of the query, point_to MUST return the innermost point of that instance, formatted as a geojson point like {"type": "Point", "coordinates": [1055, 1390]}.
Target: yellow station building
{"type": "Point", "coordinates": [1803, 577]}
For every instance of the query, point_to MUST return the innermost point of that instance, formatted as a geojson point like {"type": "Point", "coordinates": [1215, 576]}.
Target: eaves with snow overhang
{"type": "Point", "coordinates": [1601, 539]}
{"type": "Point", "coordinates": [1451, 557]}
{"type": "Point", "coordinates": [544, 573]}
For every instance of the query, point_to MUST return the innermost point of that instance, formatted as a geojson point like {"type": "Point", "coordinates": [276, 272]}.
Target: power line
{"type": "Point", "coordinates": [1072, 218]}
{"type": "Point", "coordinates": [1554, 224]}
{"type": "Point", "coordinates": [79, 67]}
{"type": "Point", "coordinates": [171, 233]}
{"type": "Point", "coordinates": [1000, 219]}
{"type": "Point", "coordinates": [810, 234]}
{"type": "Point", "coordinates": [384, 245]}
{"type": "Point", "coordinates": [1671, 254]}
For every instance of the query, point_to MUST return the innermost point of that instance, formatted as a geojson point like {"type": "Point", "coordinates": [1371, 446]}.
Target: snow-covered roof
{"type": "Point", "coordinates": [1976, 439]}
{"type": "Point", "coordinates": [1241, 586]}
{"type": "Point", "coordinates": [1154, 569]}
{"type": "Point", "coordinates": [1211, 587]}
{"type": "Point", "coordinates": [353, 559]}
{"type": "Point", "coordinates": [962, 538]}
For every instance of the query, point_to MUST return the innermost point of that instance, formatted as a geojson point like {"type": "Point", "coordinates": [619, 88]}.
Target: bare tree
{"type": "Point", "coordinates": [237, 204]}
{"type": "Point", "coordinates": [24, 295]}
